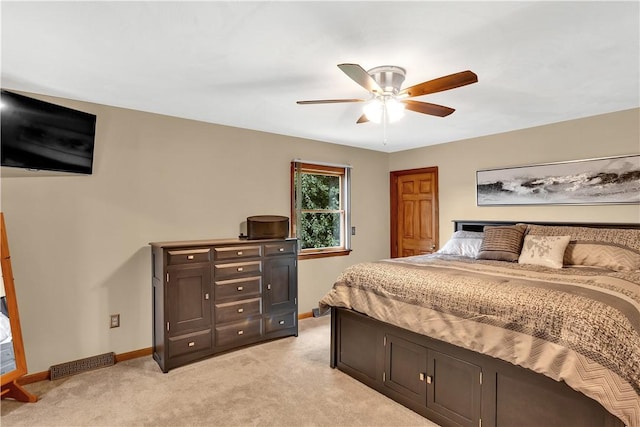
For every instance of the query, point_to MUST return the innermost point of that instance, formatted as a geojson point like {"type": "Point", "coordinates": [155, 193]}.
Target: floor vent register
{"type": "Point", "coordinates": [82, 365]}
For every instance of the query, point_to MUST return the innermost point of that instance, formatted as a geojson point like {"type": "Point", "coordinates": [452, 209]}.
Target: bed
{"type": "Point", "coordinates": [509, 324]}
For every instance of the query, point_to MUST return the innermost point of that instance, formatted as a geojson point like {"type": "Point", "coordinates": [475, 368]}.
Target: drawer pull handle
{"type": "Point", "coordinates": [281, 322]}
{"type": "Point", "coordinates": [240, 288]}
{"type": "Point", "coordinates": [281, 249]}
{"type": "Point", "coordinates": [240, 310]}
{"type": "Point", "coordinates": [269, 287]}
{"type": "Point", "coordinates": [239, 252]}
{"type": "Point", "coordinates": [240, 332]}
{"type": "Point", "coordinates": [191, 344]}
{"type": "Point", "coordinates": [240, 268]}
{"type": "Point", "coordinates": [189, 256]}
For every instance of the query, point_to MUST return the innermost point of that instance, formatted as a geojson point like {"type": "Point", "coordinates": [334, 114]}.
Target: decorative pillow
{"type": "Point", "coordinates": [502, 242]}
{"type": "Point", "coordinates": [547, 251]}
{"type": "Point", "coordinates": [463, 243]}
{"type": "Point", "coordinates": [615, 249]}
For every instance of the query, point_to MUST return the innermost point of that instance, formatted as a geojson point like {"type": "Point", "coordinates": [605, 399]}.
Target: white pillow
{"type": "Point", "coordinates": [463, 243]}
{"type": "Point", "coordinates": [547, 251]}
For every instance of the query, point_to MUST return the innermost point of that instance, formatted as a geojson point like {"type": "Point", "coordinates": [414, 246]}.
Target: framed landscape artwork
{"type": "Point", "coordinates": [610, 180]}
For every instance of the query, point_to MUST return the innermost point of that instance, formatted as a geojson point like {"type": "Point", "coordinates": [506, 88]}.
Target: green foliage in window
{"type": "Point", "coordinates": [320, 192]}
{"type": "Point", "coordinates": [320, 229]}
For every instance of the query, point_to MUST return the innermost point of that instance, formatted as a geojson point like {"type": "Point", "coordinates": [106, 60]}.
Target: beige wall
{"type": "Point", "coordinates": [79, 243]}
{"type": "Point", "coordinates": [600, 136]}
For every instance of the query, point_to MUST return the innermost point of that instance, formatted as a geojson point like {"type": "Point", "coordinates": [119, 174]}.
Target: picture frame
{"type": "Point", "coordinates": [605, 180]}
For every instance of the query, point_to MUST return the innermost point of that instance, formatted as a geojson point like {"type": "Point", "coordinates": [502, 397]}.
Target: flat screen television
{"type": "Point", "coordinates": [39, 135]}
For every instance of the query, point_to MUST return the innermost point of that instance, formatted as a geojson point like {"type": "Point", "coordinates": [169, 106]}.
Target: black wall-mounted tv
{"type": "Point", "coordinates": [43, 136]}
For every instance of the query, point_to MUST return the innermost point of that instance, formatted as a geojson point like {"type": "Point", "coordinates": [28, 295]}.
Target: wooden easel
{"type": "Point", "coordinates": [10, 388]}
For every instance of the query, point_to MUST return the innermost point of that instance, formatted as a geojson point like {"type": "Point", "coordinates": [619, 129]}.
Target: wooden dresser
{"type": "Point", "coordinates": [211, 296]}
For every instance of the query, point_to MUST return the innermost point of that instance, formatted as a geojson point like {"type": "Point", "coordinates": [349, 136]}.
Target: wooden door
{"type": "Point", "coordinates": [414, 212]}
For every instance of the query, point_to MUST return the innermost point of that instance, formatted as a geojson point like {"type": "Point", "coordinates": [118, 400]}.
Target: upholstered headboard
{"type": "Point", "coordinates": [472, 225]}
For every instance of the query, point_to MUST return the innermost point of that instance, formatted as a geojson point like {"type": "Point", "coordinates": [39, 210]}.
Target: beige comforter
{"type": "Point", "coordinates": [578, 325]}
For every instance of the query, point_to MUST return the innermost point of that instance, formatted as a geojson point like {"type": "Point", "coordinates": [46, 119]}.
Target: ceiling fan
{"type": "Point", "coordinates": [388, 101]}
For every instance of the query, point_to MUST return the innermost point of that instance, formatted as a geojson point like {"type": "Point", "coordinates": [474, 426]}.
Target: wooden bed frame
{"type": "Point", "coordinates": [473, 389]}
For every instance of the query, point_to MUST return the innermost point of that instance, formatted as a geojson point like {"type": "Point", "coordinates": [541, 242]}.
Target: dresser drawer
{"type": "Point", "coordinates": [280, 321]}
{"type": "Point", "coordinates": [236, 269]}
{"type": "Point", "coordinates": [238, 288]}
{"type": "Point", "coordinates": [237, 310]}
{"type": "Point", "coordinates": [188, 256]}
{"type": "Point", "coordinates": [280, 248]}
{"type": "Point", "coordinates": [190, 343]}
{"type": "Point", "coordinates": [238, 332]}
{"type": "Point", "coordinates": [235, 252]}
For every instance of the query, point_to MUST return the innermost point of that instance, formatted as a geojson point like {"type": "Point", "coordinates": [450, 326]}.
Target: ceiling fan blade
{"type": "Point", "coordinates": [428, 108]}
{"type": "Point", "coordinates": [360, 76]}
{"type": "Point", "coordinates": [362, 119]}
{"type": "Point", "coordinates": [329, 101]}
{"type": "Point", "coordinates": [451, 81]}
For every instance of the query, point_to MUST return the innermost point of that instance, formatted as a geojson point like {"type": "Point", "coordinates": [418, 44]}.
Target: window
{"type": "Point", "coordinates": [320, 201]}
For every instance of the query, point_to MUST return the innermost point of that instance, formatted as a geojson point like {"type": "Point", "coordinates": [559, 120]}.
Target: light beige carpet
{"type": "Point", "coordinates": [287, 382]}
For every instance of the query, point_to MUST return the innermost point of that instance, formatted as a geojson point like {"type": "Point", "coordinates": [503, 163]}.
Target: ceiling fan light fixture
{"type": "Point", "coordinates": [395, 109]}
{"type": "Point", "coordinates": [373, 110]}
{"type": "Point", "coordinates": [378, 108]}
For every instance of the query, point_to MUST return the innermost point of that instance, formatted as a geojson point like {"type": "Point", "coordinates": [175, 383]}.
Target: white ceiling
{"type": "Point", "coordinates": [245, 64]}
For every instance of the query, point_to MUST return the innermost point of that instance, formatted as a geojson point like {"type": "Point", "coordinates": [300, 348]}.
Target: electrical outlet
{"type": "Point", "coordinates": [353, 231]}
{"type": "Point", "coordinates": [115, 320]}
